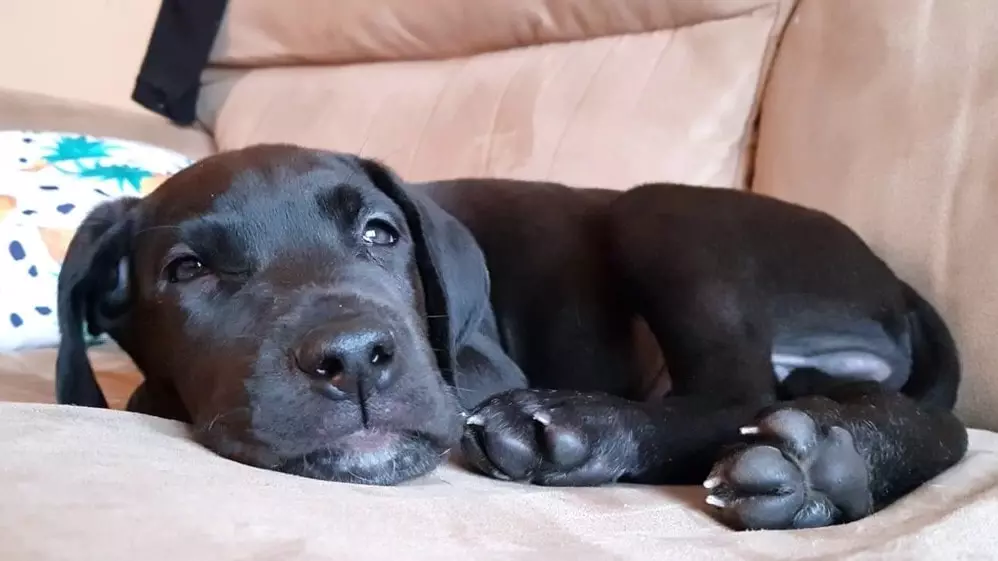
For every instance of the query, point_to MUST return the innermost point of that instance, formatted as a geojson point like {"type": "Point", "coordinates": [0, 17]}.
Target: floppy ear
{"type": "Point", "coordinates": [451, 266]}
{"type": "Point", "coordinates": [93, 291]}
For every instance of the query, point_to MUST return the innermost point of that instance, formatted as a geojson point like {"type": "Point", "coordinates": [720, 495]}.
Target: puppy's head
{"type": "Point", "coordinates": [304, 308]}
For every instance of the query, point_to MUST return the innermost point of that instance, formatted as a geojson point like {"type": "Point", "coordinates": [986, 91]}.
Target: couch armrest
{"type": "Point", "coordinates": [885, 114]}
{"type": "Point", "coordinates": [31, 111]}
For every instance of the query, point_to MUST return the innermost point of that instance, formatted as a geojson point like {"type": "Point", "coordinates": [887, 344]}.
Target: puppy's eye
{"type": "Point", "coordinates": [379, 232]}
{"type": "Point", "coordinates": [186, 268]}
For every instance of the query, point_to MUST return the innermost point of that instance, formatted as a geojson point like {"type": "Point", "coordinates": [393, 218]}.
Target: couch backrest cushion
{"type": "Point", "coordinates": [263, 32]}
{"type": "Point", "coordinates": [582, 91]}
{"type": "Point", "coordinates": [885, 114]}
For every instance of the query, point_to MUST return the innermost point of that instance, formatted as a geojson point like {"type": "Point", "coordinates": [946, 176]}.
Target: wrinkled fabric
{"type": "Point", "coordinates": [264, 33]}
{"type": "Point", "coordinates": [668, 105]}
{"type": "Point", "coordinates": [110, 485]}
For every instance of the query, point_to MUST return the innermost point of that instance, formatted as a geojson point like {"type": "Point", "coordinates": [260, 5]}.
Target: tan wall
{"type": "Point", "coordinates": [88, 50]}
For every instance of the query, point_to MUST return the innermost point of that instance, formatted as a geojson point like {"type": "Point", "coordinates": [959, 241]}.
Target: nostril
{"type": "Point", "coordinates": [339, 381]}
{"type": "Point", "coordinates": [381, 354]}
{"type": "Point", "coordinates": [330, 379]}
{"type": "Point", "coordinates": [329, 368]}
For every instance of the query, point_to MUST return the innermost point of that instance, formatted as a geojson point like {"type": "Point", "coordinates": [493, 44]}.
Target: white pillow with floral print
{"type": "Point", "coordinates": [49, 181]}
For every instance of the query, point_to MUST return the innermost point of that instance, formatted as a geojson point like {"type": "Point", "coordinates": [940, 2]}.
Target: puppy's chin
{"type": "Point", "coordinates": [369, 457]}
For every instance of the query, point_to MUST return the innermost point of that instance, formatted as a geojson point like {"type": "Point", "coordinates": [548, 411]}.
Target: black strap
{"type": "Point", "coordinates": [169, 79]}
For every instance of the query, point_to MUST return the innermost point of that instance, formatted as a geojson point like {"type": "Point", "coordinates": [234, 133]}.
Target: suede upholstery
{"type": "Point", "coordinates": [881, 112]}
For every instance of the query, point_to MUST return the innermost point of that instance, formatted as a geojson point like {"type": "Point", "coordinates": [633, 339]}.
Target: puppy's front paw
{"type": "Point", "coordinates": [795, 474]}
{"type": "Point", "coordinates": [549, 438]}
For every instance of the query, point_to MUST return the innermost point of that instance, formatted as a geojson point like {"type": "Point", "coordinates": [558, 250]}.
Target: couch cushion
{"type": "Point", "coordinates": [594, 96]}
{"type": "Point", "coordinates": [262, 33]}
{"type": "Point", "coordinates": [886, 115]}
{"type": "Point", "coordinates": [96, 484]}
{"type": "Point", "coordinates": [28, 376]}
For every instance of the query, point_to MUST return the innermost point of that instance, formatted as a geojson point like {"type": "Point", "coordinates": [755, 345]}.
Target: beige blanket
{"type": "Point", "coordinates": [105, 485]}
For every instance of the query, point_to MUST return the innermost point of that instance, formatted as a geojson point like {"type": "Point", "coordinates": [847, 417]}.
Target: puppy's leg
{"type": "Point", "coordinates": [721, 375]}
{"type": "Point", "coordinates": [716, 340]}
{"type": "Point", "coordinates": [568, 438]}
{"type": "Point", "coordinates": [828, 459]}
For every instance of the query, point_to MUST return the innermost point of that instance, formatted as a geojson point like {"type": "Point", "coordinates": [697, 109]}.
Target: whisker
{"type": "Point", "coordinates": [220, 416]}
{"type": "Point", "coordinates": [212, 422]}
{"type": "Point", "coordinates": [359, 478]}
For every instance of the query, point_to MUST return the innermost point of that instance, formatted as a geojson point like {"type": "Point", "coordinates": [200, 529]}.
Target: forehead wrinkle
{"type": "Point", "coordinates": [284, 204]}
{"type": "Point", "coordinates": [296, 173]}
{"type": "Point", "coordinates": [261, 231]}
{"type": "Point", "coordinates": [213, 234]}
{"type": "Point", "coordinates": [197, 227]}
{"type": "Point", "coordinates": [341, 203]}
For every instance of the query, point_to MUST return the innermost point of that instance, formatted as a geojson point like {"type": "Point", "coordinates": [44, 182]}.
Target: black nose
{"type": "Point", "coordinates": [350, 357]}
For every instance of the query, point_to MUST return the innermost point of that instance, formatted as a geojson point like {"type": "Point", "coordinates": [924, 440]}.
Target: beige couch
{"type": "Point", "coordinates": [882, 112]}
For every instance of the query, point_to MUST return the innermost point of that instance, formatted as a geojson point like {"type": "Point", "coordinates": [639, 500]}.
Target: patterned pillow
{"type": "Point", "coordinates": [49, 181]}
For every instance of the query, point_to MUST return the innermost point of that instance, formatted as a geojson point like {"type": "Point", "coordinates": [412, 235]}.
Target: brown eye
{"type": "Point", "coordinates": [185, 269]}
{"type": "Point", "coordinates": [379, 232]}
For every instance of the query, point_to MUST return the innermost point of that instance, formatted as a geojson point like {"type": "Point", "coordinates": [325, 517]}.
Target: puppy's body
{"type": "Point", "coordinates": [310, 313]}
{"type": "Point", "coordinates": [573, 269]}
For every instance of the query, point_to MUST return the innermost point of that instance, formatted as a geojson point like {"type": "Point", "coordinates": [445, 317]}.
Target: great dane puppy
{"type": "Point", "coordinates": [310, 312]}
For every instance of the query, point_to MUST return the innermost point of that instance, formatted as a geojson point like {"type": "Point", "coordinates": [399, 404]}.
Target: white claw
{"type": "Point", "coordinates": [712, 483]}
{"type": "Point", "coordinates": [542, 418]}
{"type": "Point", "coordinates": [749, 430]}
{"type": "Point", "coordinates": [714, 500]}
{"type": "Point", "coordinates": [475, 420]}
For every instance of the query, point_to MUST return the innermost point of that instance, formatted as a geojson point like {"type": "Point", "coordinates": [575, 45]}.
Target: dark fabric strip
{"type": "Point", "coordinates": [169, 79]}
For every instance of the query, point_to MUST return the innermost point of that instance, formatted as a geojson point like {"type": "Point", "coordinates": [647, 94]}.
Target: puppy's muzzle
{"type": "Point", "coordinates": [348, 358]}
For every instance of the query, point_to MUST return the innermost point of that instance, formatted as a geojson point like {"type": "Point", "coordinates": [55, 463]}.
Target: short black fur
{"type": "Point", "coordinates": [529, 324]}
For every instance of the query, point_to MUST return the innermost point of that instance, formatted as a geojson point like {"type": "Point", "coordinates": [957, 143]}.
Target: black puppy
{"type": "Point", "coordinates": [310, 313]}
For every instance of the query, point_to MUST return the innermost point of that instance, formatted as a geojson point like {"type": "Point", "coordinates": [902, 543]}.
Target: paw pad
{"type": "Point", "coordinates": [792, 473]}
